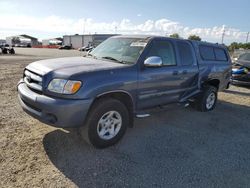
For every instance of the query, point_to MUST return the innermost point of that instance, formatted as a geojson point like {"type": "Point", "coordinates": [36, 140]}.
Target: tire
{"type": "Point", "coordinates": [207, 100]}
{"type": "Point", "coordinates": [12, 51]}
{"type": "Point", "coordinates": [4, 51]}
{"type": "Point", "coordinates": [98, 123]}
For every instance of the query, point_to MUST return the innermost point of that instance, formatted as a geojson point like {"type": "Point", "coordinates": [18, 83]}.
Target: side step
{"type": "Point", "coordinates": [142, 115]}
{"type": "Point", "coordinates": [184, 104]}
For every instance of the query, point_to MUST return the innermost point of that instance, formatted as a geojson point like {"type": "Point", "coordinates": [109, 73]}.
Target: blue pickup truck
{"type": "Point", "coordinates": [123, 77]}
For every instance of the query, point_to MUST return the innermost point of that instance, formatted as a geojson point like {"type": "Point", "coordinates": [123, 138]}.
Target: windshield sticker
{"type": "Point", "coordinates": [138, 44]}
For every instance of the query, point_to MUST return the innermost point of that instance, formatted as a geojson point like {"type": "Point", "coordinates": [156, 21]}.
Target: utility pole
{"type": "Point", "coordinates": [115, 29]}
{"type": "Point", "coordinates": [83, 27]}
{"type": "Point", "coordinates": [222, 37]}
{"type": "Point", "coordinates": [247, 37]}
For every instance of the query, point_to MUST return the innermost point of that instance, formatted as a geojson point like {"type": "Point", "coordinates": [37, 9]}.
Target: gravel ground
{"type": "Point", "coordinates": [174, 147]}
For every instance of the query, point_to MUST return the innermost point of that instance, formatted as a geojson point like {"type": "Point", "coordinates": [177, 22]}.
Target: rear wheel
{"type": "Point", "coordinates": [106, 123]}
{"type": "Point", "coordinates": [207, 100]}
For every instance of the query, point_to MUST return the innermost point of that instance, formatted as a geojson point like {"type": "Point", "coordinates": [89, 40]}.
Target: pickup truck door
{"type": "Point", "coordinates": [160, 85]}
{"type": "Point", "coordinates": [188, 70]}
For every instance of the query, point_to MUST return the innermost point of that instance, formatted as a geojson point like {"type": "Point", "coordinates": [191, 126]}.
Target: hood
{"type": "Point", "coordinates": [72, 65]}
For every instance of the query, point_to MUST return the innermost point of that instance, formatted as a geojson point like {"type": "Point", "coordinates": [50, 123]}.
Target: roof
{"type": "Point", "coordinates": [29, 37]}
{"type": "Point", "coordinates": [135, 36]}
{"type": "Point", "coordinates": [91, 35]}
{"type": "Point", "coordinates": [58, 38]}
{"type": "Point", "coordinates": [147, 37]}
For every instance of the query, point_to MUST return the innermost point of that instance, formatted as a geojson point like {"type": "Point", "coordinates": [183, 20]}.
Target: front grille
{"type": "Point", "coordinates": [33, 81]}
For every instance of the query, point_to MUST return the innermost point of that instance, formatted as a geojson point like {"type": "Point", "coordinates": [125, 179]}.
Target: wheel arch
{"type": "Point", "coordinates": [213, 82]}
{"type": "Point", "coordinates": [124, 97]}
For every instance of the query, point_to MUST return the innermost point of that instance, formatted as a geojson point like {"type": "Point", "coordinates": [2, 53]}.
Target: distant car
{"type": "Point", "coordinates": [65, 47]}
{"type": "Point", "coordinates": [86, 48]}
{"type": "Point", "coordinates": [11, 51]}
{"type": "Point", "coordinates": [5, 49]}
{"type": "Point", "coordinates": [241, 70]}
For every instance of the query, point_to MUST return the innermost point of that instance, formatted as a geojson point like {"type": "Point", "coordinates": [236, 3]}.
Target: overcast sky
{"type": "Point", "coordinates": [54, 18]}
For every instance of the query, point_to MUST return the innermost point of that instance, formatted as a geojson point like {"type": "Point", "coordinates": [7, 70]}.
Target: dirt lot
{"type": "Point", "coordinates": [177, 147]}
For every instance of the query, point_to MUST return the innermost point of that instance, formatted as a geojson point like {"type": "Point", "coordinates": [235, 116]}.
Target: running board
{"type": "Point", "coordinates": [142, 115]}
{"type": "Point", "coordinates": [185, 104]}
{"type": "Point", "coordinates": [191, 95]}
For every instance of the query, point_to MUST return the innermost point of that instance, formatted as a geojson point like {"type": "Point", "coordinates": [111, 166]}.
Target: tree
{"type": "Point", "coordinates": [235, 45]}
{"type": "Point", "coordinates": [194, 37]}
{"type": "Point", "coordinates": [175, 35]}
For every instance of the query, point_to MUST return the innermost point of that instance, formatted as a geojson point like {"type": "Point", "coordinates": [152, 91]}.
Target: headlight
{"type": "Point", "coordinates": [64, 86]}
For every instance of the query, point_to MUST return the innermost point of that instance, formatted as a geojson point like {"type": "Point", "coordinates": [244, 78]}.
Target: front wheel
{"type": "Point", "coordinates": [207, 100]}
{"type": "Point", "coordinates": [106, 123]}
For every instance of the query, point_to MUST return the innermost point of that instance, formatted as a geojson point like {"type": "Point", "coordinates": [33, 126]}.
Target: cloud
{"type": "Point", "coordinates": [47, 26]}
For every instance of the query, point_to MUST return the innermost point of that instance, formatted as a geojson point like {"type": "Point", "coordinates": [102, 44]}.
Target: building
{"type": "Point", "coordinates": [53, 41]}
{"type": "Point", "coordinates": [77, 41]}
{"type": "Point", "coordinates": [2, 41]}
{"type": "Point", "coordinates": [22, 40]}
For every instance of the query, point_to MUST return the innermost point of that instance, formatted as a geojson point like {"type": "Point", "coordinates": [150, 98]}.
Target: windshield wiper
{"type": "Point", "coordinates": [113, 59]}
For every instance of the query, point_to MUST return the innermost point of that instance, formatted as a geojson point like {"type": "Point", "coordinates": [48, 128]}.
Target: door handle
{"type": "Point", "coordinates": [184, 72]}
{"type": "Point", "coordinates": [175, 73]}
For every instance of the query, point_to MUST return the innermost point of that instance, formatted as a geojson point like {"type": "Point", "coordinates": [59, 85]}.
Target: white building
{"type": "Point", "coordinates": [54, 41]}
{"type": "Point", "coordinates": [2, 41]}
{"type": "Point", "coordinates": [24, 40]}
{"type": "Point", "coordinates": [77, 41]}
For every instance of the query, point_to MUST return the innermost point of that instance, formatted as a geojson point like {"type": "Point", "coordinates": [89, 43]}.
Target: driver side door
{"type": "Point", "coordinates": [159, 85]}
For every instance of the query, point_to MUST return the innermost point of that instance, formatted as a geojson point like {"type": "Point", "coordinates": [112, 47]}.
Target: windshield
{"type": "Point", "coordinates": [121, 50]}
{"type": "Point", "coordinates": [245, 57]}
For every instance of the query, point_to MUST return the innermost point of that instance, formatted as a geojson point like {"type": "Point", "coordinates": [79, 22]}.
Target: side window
{"type": "Point", "coordinates": [220, 54]}
{"type": "Point", "coordinates": [207, 53]}
{"type": "Point", "coordinates": [165, 50]}
{"type": "Point", "coordinates": [185, 52]}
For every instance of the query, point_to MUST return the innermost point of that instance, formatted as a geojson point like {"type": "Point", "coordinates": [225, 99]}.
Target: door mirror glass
{"type": "Point", "coordinates": [153, 61]}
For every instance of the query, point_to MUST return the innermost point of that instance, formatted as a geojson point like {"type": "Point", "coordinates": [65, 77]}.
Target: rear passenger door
{"type": "Point", "coordinates": [188, 68]}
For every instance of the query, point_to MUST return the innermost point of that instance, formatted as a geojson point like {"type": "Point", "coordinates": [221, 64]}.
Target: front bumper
{"type": "Point", "coordinates": [63, 113]}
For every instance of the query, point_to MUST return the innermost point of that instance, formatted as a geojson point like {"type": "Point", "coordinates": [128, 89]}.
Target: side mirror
{"type": "Point", "coordinates": [153, 61]}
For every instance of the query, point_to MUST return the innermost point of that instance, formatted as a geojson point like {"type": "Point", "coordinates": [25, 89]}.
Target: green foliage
{"type": "Point", "coordinates": [236, 45]}
{"type": "Point", "coordinates": [175, 35]}
{"type": "Point", "coordinates": [194, 37]}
